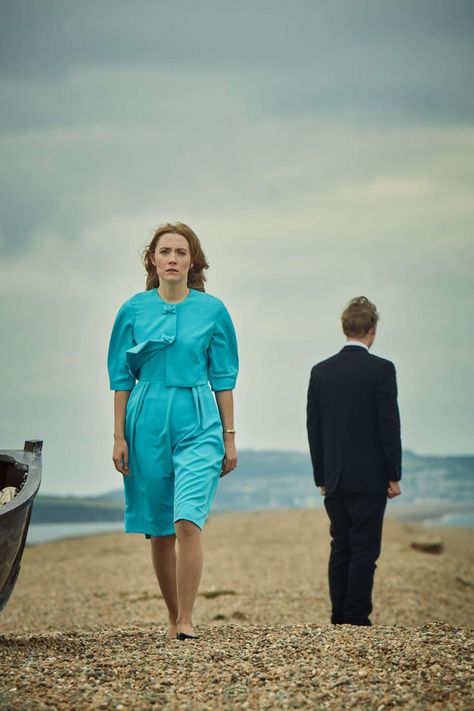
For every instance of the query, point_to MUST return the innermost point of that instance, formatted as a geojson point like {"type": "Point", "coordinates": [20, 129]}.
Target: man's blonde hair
{"type": "Point", "coordinates": [359, 317]}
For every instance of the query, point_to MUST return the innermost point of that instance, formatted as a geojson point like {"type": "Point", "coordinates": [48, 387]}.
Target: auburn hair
{"type": "Point", "coordinates": [196, 276]}
{"type": "Point", "coordinates": [359, 317]}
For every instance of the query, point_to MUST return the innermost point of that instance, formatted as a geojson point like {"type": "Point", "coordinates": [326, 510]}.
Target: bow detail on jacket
{"type": "Point", "coordinates": [141, 353]}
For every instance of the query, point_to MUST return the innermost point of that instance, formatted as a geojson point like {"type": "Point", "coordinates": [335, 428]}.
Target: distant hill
{"type": "Point", "coordinates": [71, 509]}
{"type": "Point", "coordinates": [270, 479]}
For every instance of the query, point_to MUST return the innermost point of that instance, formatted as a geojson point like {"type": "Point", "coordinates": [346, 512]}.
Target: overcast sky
{"type": "Point", "coordinates": [321, 150]}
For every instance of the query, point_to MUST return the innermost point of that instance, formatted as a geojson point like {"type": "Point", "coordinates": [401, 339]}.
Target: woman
{"type": "Point", "coordinates": [171, 442]}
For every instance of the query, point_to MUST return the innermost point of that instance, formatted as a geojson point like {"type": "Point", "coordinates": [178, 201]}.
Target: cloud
{"type": "Point", "coordinates": [366, 60]}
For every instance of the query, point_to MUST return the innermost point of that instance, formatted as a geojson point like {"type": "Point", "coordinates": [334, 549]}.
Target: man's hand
{"type": "Point", "coordinates": [322, 489]}
{"type": "Point", "coordinates": [393, 489]}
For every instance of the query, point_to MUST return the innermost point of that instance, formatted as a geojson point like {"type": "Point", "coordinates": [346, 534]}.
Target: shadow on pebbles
{"type": "Point", "coordinates": [241, 667]}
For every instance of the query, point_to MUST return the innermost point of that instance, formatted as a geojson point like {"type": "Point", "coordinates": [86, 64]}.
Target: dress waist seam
{"type": "Point", "coordinates": [172, 385]}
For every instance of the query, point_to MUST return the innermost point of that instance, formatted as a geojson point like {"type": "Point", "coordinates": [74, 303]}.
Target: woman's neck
{"type": "Point", "coordinates": [173, 292]}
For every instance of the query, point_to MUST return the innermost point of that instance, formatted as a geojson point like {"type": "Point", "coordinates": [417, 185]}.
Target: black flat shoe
{"type": "Point", "coordinates": [182, 636]}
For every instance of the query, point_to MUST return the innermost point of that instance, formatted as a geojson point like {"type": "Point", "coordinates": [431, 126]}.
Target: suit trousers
{"type": "Point", "coordinates": [356, 536]}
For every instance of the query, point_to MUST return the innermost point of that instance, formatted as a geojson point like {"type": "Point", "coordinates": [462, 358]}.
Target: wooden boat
{"type": "Point", "coordinates": [21, 469]}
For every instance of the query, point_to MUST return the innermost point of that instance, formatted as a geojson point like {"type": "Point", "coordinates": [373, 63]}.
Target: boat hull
{"type": "Point", "coordinates": [21, 469]}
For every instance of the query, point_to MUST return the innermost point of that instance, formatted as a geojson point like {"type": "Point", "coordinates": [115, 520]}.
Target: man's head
{"type": "Point", "coordinates": [359, 320]}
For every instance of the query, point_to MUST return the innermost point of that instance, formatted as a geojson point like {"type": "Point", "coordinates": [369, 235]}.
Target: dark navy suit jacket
{"type": "Point", "coordinates": [353, 422]}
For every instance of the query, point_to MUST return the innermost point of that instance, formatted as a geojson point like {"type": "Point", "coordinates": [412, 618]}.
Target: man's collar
{"type": "Point", "coordinates": [357, 343]}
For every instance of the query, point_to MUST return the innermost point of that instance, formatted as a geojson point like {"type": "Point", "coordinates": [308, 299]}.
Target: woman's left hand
{"type": "Point", "coordinates": [230, 458]}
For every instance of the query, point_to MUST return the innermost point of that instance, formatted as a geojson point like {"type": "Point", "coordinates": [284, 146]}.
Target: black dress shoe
{"type": "Point", "coordinates": [183, 635]}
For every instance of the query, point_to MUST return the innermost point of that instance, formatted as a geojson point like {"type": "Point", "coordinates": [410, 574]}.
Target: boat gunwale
{"type": "Point", "coordinates": [31, 486]}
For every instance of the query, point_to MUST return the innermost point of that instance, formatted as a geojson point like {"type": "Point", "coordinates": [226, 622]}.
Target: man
{"type": "Point", "coordinates": [354, 439]}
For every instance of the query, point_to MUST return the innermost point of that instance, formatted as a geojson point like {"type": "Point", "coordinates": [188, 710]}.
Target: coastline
{"type": "Point", "coordinates": [434, 513]}
{"type": "Point", "coordinates": [437, 514]}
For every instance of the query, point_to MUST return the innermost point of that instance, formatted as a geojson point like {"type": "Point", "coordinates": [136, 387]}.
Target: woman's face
{"type": "Point", "coordinates": [172, 258]}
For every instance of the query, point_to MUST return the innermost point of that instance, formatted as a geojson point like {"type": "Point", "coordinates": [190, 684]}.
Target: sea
{"type": "Point", "coordinates": [44, 532]}
{"type": "Point", "coordinates": [427, 514]}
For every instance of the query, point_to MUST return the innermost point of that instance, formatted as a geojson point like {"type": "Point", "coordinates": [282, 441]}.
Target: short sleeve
{"type": "Point", "coordinates": [121, 340]}
{"type": "Point", "coordinates": [223, 353]}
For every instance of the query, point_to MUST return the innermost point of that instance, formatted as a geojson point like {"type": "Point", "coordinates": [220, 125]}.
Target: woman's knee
{"type": "Point", "coordinates": [186, 530]}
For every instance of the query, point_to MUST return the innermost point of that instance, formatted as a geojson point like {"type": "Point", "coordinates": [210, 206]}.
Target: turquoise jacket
{"type": "Point", "coordinates": [197, 335]}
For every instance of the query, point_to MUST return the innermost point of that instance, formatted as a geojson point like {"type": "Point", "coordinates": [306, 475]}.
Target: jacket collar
{"type": "Point", "coordinates": [354, 349]}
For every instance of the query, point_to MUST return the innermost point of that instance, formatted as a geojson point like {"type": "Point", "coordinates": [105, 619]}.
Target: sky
{"type": "Point", "coordinates": [320, 151]}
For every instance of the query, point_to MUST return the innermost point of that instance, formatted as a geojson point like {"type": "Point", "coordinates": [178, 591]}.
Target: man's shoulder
{"type": "Point", "coordinates": [326, 363]}
{"type": "Point", "coordinates": [336, 360]}
{"type": "Point", "coordinates": [382, 363]}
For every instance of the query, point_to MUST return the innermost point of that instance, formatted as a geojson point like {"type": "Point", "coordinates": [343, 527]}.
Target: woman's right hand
{"type": "Point", "coordinates": [120, 455]}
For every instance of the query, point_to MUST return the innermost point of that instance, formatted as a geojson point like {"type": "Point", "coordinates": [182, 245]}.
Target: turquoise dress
{"type": "Point", "coordinates": [170, 356]}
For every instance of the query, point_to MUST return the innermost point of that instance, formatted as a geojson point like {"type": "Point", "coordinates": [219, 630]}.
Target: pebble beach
{"type": "Point", "coordinates": [85, 626]}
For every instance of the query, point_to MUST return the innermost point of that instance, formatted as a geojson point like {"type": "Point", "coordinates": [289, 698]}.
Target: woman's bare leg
{"type": "Point", "coordinates": [188, 572]}
{"type": "Point", "coordinates": [163, 556]}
